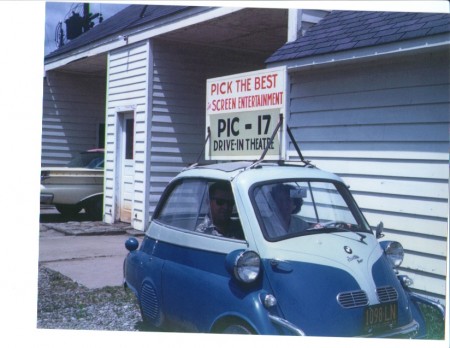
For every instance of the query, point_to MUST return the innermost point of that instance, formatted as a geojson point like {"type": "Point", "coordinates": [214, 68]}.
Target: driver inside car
{"type": "Point", "coordinates": [219, 222]}
{"type": "Point", "coordinates": [288, 203]}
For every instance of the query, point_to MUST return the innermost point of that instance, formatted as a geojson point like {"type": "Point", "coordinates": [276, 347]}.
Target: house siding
{"type": "Point", "coordinates": [383, 127]}
{"type": "Point", "coordinates": [127, 90]}
{"type": "Point", "coordinates": [178, 109]}
{"type": "Point", "coordinates": [164, 84]}
{"type": "Point", "coordinates": [73, 109]}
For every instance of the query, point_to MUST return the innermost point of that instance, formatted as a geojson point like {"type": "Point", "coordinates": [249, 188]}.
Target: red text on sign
{"type": "Point", "coordinates": [243, 85]}
{"type": "Point", "coordinates": [266, 81]}
{"type": "Point", "coordinates": [221, 88]}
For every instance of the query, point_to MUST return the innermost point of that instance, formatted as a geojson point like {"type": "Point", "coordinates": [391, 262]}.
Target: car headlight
{"type": "Point", "coordinates": [394, 252]}
{"type": "Point", "coordinates": [245, 265]}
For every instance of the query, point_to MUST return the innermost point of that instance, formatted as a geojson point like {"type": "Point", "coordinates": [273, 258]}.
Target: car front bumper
{"type": "Point", "coordinates": [410, 330]}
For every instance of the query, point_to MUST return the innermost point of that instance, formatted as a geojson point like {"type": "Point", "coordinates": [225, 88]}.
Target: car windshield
{"type": "Point", "coordinates": [91, 160]}
{"type": "Point", "coordinates": [294, 208]}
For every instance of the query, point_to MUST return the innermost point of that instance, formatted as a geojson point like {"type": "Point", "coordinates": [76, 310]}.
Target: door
{"type": "Point", "coordinates": [126, 155]}
{"type": "Point", "coordinates": [192, 257]}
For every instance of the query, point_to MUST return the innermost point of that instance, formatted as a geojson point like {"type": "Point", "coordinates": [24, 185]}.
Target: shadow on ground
{"type": "Point", "coordinates": [50, 214]}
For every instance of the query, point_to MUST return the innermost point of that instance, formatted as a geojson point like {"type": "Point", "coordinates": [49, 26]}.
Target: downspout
{"type": "Point", "coordinates": [294, 24]}
{"type": "Point", "coordinates": [293, 33]}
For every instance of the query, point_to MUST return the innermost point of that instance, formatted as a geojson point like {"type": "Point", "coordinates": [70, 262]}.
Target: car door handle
{"type": "Point", "coordinates": [281, 265]}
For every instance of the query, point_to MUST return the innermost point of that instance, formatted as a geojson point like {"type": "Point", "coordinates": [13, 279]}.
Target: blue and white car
{"type": "Point", "coordinates": [318, 270]}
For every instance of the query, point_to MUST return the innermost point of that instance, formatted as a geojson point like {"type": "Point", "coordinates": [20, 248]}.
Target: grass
{"type": "Point", "coordinates": [434, 321]}
{"type": "Point", "coordinates": [64, 304]}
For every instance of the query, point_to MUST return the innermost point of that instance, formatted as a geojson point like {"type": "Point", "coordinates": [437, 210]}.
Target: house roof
{"type": "Point", "coordinates": [346, 30]}
{"type": "Point", "coordinates": [129, 18]}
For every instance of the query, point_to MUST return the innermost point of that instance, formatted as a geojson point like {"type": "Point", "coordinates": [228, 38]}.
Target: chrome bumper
{"type": "Point", "coordinates": [286, 324]}
{"type": "Point", "coordinates": [420, 299]}
{"type": "Point", "coordinates": [408, 331]}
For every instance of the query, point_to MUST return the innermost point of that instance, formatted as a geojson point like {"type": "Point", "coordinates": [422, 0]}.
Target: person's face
{"type": "Point", "coordinates": [285, 203]}
{"type": "Point", "coordinates": [221, 206]}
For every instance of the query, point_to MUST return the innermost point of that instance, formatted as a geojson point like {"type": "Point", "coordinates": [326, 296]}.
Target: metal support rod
{"type": "Point", "coordinates": [295, 144]}
{"type": "Point", "coordinates": [206, 141]}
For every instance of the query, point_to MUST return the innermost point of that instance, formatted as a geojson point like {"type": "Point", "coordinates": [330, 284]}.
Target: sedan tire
{"type": "Point", "coordinates": [94, 208]}
{"type": "Point", "coordinates": [68, 210]}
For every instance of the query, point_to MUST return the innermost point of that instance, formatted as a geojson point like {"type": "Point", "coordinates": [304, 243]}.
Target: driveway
{"type": "Point", "coordinates": [89, 252]}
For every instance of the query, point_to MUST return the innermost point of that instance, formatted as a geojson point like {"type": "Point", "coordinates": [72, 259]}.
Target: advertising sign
{"type": "Point", "coordinates": [242, 113]}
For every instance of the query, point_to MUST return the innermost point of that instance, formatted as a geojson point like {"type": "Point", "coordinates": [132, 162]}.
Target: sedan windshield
{"type": "Point", "coordinates": [293, 208]}
{"type": "Point", "coordinates": [91, 160]}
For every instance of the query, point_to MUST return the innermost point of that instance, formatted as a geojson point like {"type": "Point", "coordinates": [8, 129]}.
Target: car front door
{"type": "Point", "coordinates": [194, 281]}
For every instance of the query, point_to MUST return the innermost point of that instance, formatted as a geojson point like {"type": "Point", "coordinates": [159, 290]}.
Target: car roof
{"type": "Point", "coordinates": [225, 166]}
{"type": "Point", "coordinates": [252, 172]}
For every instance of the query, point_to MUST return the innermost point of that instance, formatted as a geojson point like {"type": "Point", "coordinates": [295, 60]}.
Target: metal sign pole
{"type": "Point", "coordinates": [295, 144]}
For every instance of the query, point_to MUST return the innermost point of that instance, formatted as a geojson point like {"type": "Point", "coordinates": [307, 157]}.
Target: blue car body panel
{"type": "Point", "coordinates": [183, 282]}
{"type": "Point", "coordinates": [207, 296]}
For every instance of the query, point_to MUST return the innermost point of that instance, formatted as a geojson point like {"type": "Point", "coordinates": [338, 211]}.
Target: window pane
{"type": "Point", "coordinates": [330, 204]}
{"type": "Point", "coordinates": [183, 205]}
{"type": "Point", "coordinates": [294, 208]}
{"type": "Point", "coordinates": [129, 136]}
{"type": "Point", "coordinates": [91, 160]}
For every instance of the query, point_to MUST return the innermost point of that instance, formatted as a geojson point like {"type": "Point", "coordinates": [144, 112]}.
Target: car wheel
{"type": "Point", "coordinates": [94, 208]}
{"type": "Point", "coordinates": [239, 329]}
{"type": "Point", "coordinates": [68, 210]}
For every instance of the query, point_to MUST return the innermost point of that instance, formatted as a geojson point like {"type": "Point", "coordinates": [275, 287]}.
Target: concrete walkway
{"type": "Point", "coordinates": [90, 253]}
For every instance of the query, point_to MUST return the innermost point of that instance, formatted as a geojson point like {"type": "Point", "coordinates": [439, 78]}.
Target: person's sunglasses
{"type": "Point", "coordinates": [222, 201]}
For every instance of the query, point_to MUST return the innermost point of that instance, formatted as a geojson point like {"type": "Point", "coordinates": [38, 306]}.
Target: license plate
{"type": "Point", "coordinates": [380, 316]}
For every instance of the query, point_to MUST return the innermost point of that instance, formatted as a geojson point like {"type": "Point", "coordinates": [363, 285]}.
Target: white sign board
{"type": "Point", "coordinates": [242, 112]}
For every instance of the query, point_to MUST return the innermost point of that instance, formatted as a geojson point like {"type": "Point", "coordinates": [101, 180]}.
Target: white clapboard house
{"type": "Point", "coordinates": [368, 99]}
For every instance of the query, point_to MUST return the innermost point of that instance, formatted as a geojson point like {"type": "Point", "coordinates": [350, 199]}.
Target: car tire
{"type": "Point", "coordinates": [68, 210]}
{"type": "Point", "coordinates": [239, 329]}
{"type": "Point", "coordinates": [94, 208]}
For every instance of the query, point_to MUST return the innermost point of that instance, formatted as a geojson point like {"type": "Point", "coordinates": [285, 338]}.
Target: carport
{"type": "Point", "coordinates": [152, 79]}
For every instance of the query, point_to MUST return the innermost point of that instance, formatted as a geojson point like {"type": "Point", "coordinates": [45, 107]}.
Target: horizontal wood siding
{"type": "Point", "coordinates": [383, 127]}
{"type": "Point", "coordinates": [178, 110]}
{"type": "Point", "coordinates": [73, 109]}
{"type": "Point", "coordinates": [127, 91]}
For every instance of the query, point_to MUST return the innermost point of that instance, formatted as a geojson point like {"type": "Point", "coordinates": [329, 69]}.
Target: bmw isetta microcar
{"type": "Point", "coordinates": [289, 253]}
{"type": "Point", "coordinates": [270, 247]}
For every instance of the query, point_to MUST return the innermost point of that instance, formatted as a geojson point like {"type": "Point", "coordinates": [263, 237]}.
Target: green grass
{"type": "Point", "coordinates": [64, 304]}
{"type": "Point", "coordinates": [434, 321]}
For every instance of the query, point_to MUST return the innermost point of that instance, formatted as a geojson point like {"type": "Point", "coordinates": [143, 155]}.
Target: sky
{"type": "Point", "coordinates": [56, 12]}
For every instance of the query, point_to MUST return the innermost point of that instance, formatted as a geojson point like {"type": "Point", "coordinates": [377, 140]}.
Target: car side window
{"type": "Point", "coordinates": [184, 204]}
{"type": "Point", "coordinates": [220, 217]}
{"type": "Point", "coordinates": [202, 206]}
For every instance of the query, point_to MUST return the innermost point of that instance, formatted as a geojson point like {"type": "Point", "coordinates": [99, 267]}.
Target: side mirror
{"type": "Point", "coordinates": [379, 230]}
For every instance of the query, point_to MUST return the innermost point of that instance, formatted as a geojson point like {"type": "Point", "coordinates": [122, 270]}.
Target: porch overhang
{"type": "Point", "coordinates": [101, 47]}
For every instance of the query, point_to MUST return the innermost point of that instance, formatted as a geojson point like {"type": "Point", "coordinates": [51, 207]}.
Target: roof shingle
{"type": "Point", "coordinates": [346, 30]}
